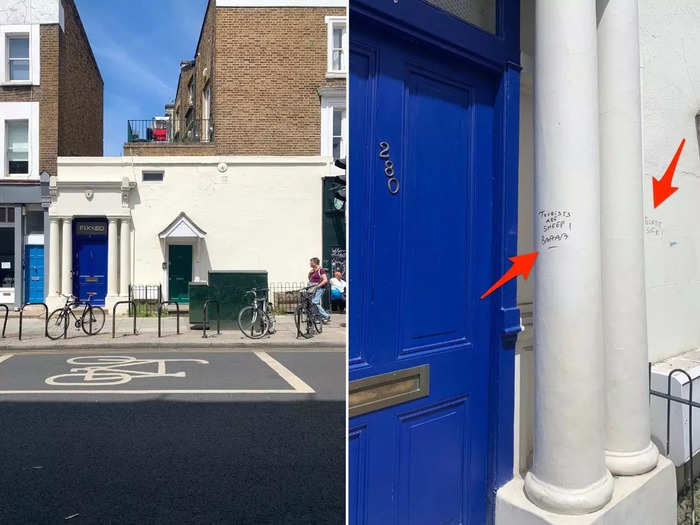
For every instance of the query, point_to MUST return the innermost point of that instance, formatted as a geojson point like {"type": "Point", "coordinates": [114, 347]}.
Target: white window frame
{"type": "Point", "coordinates": [331, 99]}
{"type": "Point", "coordinates": [20, 111]}
{"type": "Point", "coordinates": [31, 31]}
{"type": "Point", "coordinates": [333, 22]}
{"type": "Point", "coordinates": [206, 111]}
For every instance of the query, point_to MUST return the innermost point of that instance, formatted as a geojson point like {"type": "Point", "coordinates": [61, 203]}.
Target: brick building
{"type": "Point", "coordinates": [263, 81]}
{"type": "Point", "coordinates": [50, 105]}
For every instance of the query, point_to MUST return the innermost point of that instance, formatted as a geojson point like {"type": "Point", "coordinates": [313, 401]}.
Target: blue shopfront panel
{"type": "Point", "coordinates": [426, 139]}
{"type": "Point", "coordinates": [34, 273]}
{"type": "Point", "coordinates": [90, 259]}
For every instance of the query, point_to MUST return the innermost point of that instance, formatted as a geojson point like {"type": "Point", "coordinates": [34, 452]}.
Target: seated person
{"type": "Point", "coordinates": [338, 286]}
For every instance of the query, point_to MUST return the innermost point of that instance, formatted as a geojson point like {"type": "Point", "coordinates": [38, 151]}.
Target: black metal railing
{"type": "Point", "coordinates": [114, 316]}
{"type": "Point", "coordinates": [160, 315]}
{"type": "Point", "coordinates": [168, 131]}
{"type": "Point", "coordinates": [689, 475]}
{"type": "Point", "coordinates": [46, 317]}
{"type": "Point", "coordinates": [285, 296]}
{"type": "Point", "coordinates": [146, 298]}
{"type": "Point", "coordinates": [4, 324]}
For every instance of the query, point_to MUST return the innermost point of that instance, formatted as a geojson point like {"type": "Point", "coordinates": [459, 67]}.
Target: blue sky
{"type": "Point", "coordinates": [138, 45]}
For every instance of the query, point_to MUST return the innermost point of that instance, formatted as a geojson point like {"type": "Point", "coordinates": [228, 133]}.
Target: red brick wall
{"type": "Point", "coordinates": [80, 93]}
{"type": "Point", "coordinates": [269, 64]}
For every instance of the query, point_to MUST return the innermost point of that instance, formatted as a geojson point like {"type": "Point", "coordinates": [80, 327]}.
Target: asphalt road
{"type": "Point", "coordinates": [206, 437]}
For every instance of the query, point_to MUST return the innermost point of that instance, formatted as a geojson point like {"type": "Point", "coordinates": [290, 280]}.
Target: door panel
{"type": "Point", "coordinates": [34, 273]}
{"type": "Point", "coordinates": [418, 258]}
{"type": "Point", "coordinates": [179, 272]}
{"type": "Point", "coordinates": [90, 260]}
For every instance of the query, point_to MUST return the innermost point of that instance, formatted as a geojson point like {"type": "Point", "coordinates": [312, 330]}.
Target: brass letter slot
{"type": "Point", "coordinates": [385, 390]}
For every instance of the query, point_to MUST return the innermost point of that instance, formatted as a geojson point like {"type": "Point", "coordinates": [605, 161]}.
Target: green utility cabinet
{"type": "Point", "coordinates": [229, 288]}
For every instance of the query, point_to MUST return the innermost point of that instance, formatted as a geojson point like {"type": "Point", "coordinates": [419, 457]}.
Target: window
{"type": "Point", "coordinates": [7, 215]}
{"type": "Point", "coordinates": [190, 90]}
{"type": "Point", "coordinates": [338, 143]}
{"type": "Point", "coordinates": [206, 112]}
{"type": "Point", "coordinates": [334, 122]}
{"type": "Point", "coordinates": [17, 133]}
{"type": "Point", "coordinates": [152, 176]}
{"type": "Point", "coordinates": [18, 57]}
{"type": "Point", "coordinates": [337, 45]}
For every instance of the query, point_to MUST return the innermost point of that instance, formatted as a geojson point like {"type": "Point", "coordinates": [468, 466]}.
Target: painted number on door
{"type": "Point", "coordinates": [392, 182]}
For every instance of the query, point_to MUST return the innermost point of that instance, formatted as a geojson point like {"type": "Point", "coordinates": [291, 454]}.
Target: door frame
{"type": "Point", "coordinates": [194, 243]}
{"type": "Point", "coordinates": [500, 54]}
{"type": "Point", "coordinates": [27, 276]}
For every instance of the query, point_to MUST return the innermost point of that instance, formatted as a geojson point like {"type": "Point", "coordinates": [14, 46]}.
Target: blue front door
{"type": "Point", "coordinates": [421, 249]}
{"type": "Point", "coordinates": [34, 273]}
{"type": "Point", "coordinates": [90, 259]}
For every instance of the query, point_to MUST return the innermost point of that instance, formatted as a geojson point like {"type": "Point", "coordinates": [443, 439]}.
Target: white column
{"type": "Point", "coordinates": [629, 450]}
{"type": "Point", "coordinates": [54, 257]}
{"type": "Point", "coordinates": [67, 257]}
{"type": "Point", "coordinates": [124, 257]}
{"type": "Point", "coordinates": [568, 475]}
{"type": "Point", "coordinates": [112, 258]}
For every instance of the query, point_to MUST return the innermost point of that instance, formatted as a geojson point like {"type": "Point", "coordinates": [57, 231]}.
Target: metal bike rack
{"type": "Point", "coordinates": [691, 405]}
{"type": "Point", "coordinates": [160, 311]}
{"type": "Point", "coordinates": [4, 324]}
{"type": "Point", "coordinates": [21, 313]}
{"type": "Point", "coordinates": [114, 316]}
{"type": "Point", "coordinates": [205, 311]}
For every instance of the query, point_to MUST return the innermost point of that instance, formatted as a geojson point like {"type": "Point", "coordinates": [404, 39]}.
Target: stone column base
{"type": "Point", "coordinates": [111, 300]}
{"type": "Point", "coordinates": [648, 499]}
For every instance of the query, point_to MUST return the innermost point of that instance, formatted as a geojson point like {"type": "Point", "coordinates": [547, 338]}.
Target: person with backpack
{"type": "Point", "coordinates": [318, 280]}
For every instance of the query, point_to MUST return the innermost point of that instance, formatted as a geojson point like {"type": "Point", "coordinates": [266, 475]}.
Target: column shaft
{"type": "Point", "coordinates": [112, 258]}
{"type": "Point", "coordinates": [568, 473]}
{"type": "Point", "coordinates": [124, 257]}
{"type": "Point", "coordinates": [67, 257]}
{"type": "Point", "coordinates": [629, 450]}
{"type": "Point", "coordinates": [54, 257]}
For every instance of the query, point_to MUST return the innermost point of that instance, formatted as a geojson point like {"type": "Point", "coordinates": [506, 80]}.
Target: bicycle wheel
{"type": "Point", "coordinates": [253, 323]}
{"type": "Point", "coordinates": [300, 319]}
{"type": "Point", "coordinates": [56, 324]}
{"type": "Point", "coordinates": [316, 318]}
{"type": "Point", "coordinates": [93, 320]}
{"type": "Point", "coordinates": [273, 321]}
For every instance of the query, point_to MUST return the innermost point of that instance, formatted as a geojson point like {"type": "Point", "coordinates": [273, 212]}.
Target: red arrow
{"type": "Point", "coordinates": [522, 264]}
{"type": "Point", "coordinates": [662, 188]}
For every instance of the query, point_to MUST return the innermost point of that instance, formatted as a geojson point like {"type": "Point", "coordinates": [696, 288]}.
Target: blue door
{"type": "Point", "coordinates": [34, 273]}
{"type": "Point", "coordinates": [423, 163]}
{"type": "Point", "coordinates": [90, 259]}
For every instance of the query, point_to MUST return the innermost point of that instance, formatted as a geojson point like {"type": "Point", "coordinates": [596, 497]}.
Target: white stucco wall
{"type": "Point", "coordinates": [261, 213]}
{"type": "Point", "coordinates": [31, 12]}
{"type": "Point", "coordinates": [670, 40]}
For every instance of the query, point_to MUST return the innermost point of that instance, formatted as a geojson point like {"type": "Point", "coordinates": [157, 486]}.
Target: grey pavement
{"type": "Point", "coordinates": [333, 336]}
{"type": "Point", "coordinates": [174, 435]}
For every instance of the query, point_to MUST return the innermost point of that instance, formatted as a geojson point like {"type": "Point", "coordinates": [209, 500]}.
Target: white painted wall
{"type": "Point", "coordinates": [669, 39]}
{"type": "Point", "coordinates": [261, 213]}
{"type": "Point", "coordinates": [31, 12]}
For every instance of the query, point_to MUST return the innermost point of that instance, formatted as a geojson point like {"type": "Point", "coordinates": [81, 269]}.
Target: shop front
{"type": "Point", "coordinates": [23, 242]}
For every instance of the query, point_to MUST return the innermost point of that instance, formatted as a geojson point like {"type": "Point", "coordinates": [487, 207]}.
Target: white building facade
{"type": "Point", "coordinates": [228, 213]}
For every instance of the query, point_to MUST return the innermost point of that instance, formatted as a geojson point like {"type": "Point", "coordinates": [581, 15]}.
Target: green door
{"type": "Point", "coordinates": [180, 272]}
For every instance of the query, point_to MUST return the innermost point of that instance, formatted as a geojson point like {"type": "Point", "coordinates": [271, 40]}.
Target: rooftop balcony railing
{"type": "Point", "coordinates": [167, 131]}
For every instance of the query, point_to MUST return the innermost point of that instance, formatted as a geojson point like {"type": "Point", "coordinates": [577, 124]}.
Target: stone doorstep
{"type": "Point", "coordinates": [649, 499]}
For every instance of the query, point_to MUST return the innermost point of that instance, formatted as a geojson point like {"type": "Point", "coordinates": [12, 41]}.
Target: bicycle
{"type": "Point", "coordinates": [258, 319]}
{"type": "Point", "coordinates": [307, 314]}
{"type": "Point", "coordinates": [91, 320]}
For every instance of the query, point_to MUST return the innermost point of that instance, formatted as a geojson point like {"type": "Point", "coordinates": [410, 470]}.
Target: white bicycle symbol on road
{"type": "Point", "coordinates": [116, 370]}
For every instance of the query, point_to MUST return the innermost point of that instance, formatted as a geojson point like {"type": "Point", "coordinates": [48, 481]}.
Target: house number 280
{"type": "Point", "coordinates": [392, 182]}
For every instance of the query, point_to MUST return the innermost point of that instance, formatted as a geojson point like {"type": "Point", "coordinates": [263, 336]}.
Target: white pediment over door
{"type": "Point", "coordinates": [182, 228]}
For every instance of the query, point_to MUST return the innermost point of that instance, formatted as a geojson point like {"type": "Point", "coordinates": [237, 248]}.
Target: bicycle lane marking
{"type": "Point", "coordinates": [294, 381]}
{"type": "Point", "coordinates": [298, 385]}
